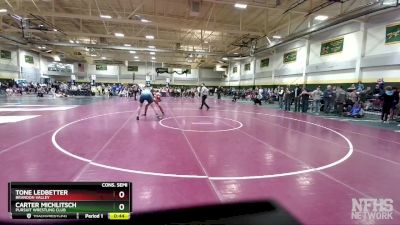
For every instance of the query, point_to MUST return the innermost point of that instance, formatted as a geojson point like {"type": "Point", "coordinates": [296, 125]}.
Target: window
{"type": "Point", "coordinates": [235, 69]}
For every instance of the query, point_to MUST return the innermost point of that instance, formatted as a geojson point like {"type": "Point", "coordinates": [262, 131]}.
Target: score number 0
{"type": "Point", "coordinates": [121, 206]}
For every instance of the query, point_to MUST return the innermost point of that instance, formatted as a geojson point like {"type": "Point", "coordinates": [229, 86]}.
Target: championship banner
{"type": "Point", "coordinates": [290, 57]}
{"type": "Point", "coordinates": [332, 46]}
{"type": "Point", "coordinates": [392, 34]}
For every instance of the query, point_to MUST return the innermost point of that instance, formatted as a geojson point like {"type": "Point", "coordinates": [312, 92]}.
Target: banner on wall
{"type": "Point", "coordinates": [133, 68]}
{"type": "Point", "coordinates": [392, 34]}
{"type": "Point", "coordinates": [5, 54]}
{"type": "Point", "coordinates": [290, 57]}
{"type": "Point", "coordinates": [178, 71]}
{"type": "Point", "coordinates": [247, 67]}
{"type": "Point", "coordinates": [29, 59]}
{"type": "Point", "coordinates": [332, 46]}
{"type": "Point", "coordinates": [264, 62]}
{"type": "Point", "coordinates": [101, 67]}
{"type": "Point", "coordinates": [235, 69]}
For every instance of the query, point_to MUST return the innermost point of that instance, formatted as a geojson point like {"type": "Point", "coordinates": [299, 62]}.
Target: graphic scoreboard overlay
{"type": "Point", "coordinates": [70, 200]}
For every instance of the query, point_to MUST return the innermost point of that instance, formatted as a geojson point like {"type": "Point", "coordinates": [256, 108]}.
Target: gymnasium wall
{"type": "Point", "coordinates": [365, 57]}
{"type": "Point", "coordinates": [120, 74]}
{"type": "Point", "coordinates": [29, 71]}
{"type": "Point", "coordinates": [9, 67]}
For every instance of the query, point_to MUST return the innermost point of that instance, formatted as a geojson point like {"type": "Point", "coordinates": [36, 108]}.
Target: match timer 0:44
{"type": "Point", "coordinates": [70, 200]}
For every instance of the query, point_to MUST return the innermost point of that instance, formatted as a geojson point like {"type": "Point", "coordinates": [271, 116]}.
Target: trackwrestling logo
{"type": "Point", "coordinates": [372, 208]}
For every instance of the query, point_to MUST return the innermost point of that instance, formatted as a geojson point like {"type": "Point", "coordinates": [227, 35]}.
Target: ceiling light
{"type": "Point", "coordinates": [77, 42]}
{"type": "Point", "coordinates": [137, 60]}
{"type": "Point", "coordinates": [132, 52]}
{"type": "Point", "coordinates": [151, 46]}
{"type": "Point", "coordinates": [152, 53]}
{"type": "Point", "coordinates": [153, 58]}
{"type": "Point", "coordinates": [225, 58]}
{"type": "Point", "coordinates": [136, 57]}
{"type": "Point", "coordinates": [145, 21]}
{"type": "Point", "coordinates": [190, 60]}
{"type": "Point", "coordinates": [205, 42]}
{"type": "Point", "coordinates": [71, 41]}
{"type": "Point", "coordinates": [149, 37]}
{"type": "Point", "coordinates": [127, 45]}
{"type": "Point", "coordinates": [240, 6]}
{"type": "Point", "coordinates": [191, 56]}
{"type": "Point", "coordinates": [3, 10]}
{"type": "Point", "coordinates": [93, 55]}
{"type": "Point", "coordinates": [103, 57]}
{"type": "Point", "coordinates": [321, 18]}
{"type": "Point", "coordinates": [55, 30]}
{"type": "Point", "coordinates": [199, 50]}
{"type": "Point", "coordinates": [105, 16]}
{"type": "Point", "coordinates": [236, 53]}
{"type": "Point", "coordinates": [276, 37]}
{"type": "Point", "coordinates": [119, 35]}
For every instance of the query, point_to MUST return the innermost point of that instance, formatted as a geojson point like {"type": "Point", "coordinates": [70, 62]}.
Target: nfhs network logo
{"type": "Point", "coordinates": [372, 208]}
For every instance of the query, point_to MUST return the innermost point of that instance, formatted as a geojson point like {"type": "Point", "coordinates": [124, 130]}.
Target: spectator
{"type": "Point", "coordinates": [381, 84]}
{"type": "Point", "coordinates": [362, 95]}
{"type": "Point", "coordinates": [305, 96]}
{"type": "Point", "coordinates": [297, 93]}
{"type": "Point", "coordinates": [351, 88]}
{"type": "Point", "coordinates": [281, 93]}
{"type": "Point", "coordinates": [369, 94]}
{"type": "Point", "coordinates": [396, 96]}
{"type": "Point", "coordinates": [288, 97]}
{"type": "Point", "coordinates": [316, 96]}
{"type": "Point", "coordinates": [219, 92]}
{"type": "Point", "coordinates": [360, 86]}
{"type": "Point", "coordinates": [388, 99]}
{"type": "Point", "coordinates": [328, 99]}
{"type": "Point", "coordinates": [340, 100]}
{"type": "Point", "coordinates": [356, 111]}
{"type": "Point", "coordinates": [353, 96]}
{"type": "Point", "coordinates": [377, 90]}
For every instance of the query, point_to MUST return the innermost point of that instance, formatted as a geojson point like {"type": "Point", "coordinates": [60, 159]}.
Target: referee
{"type": "Point", "coordinates": [204, 94]}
